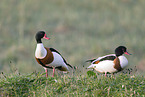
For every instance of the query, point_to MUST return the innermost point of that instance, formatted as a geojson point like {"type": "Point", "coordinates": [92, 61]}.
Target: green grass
{"type": "Point", "coordinates": [36, 84]}
{"type": "Point", "coordinates": [79, 30]}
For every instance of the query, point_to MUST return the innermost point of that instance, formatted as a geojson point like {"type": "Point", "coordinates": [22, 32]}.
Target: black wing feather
{"type": "Point", "coordinates": [90, 60]}
{"type": "Point", "coordinates": [105, 58]}
{"type": "Point", "coordinates": [108, 58]}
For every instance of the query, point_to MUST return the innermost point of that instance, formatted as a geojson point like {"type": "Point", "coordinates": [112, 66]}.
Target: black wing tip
{"type": "Point", "coordinates": [70, 65]}
{"type": "Point", "coordinates": [90, 60]}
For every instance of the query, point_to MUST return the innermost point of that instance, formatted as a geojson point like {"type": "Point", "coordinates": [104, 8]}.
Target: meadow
{"type": "Point", "coordinates": [36, 85]}
{"type": "Point", "coordinates": [79, 30]}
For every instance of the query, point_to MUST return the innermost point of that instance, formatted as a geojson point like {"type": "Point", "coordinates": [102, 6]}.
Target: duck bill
{"type": "Point", "coordinates": [127, 53]}
{"type": "Point", "coordinates": [45, 37]}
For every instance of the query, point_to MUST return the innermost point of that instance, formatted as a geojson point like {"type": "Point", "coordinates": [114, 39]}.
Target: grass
{"type": "Point", "coordinates": [78, 30]}
{"type": "Point", "coordinates": [36, 84]}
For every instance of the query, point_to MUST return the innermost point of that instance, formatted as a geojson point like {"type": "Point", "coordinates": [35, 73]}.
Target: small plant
{"type": "Point", "coordinates": [91, 73]}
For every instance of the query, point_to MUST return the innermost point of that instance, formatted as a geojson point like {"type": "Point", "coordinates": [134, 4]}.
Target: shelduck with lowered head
{"type": "Point", "coordinates": [110, 63]}
{"type": "Point", "coordinates": [49, 57]}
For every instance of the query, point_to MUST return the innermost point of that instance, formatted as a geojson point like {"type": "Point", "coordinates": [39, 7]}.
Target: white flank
{"type": "Point", "coordinates": [40, 51]}
{"type": "Point", "coordinates": [58, 61]}
{"type": "Point", "coordinates": [104, 66]}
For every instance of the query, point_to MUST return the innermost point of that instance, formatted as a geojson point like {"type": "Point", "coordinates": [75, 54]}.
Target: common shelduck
{"type": "Point", "coordinates": [49, 57]}
{"type": "Point", "coordinates": [111, 63]}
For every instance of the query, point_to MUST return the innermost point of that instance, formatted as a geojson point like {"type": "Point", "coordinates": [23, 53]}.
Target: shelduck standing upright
{"type": "Point", "coordinates": [49, 57]}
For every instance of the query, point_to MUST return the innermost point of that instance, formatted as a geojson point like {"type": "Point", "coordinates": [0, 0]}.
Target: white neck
{"type": "Point", "coordinates": [123, 61]}
{"type": "Point", "coordinates": [40, 51]}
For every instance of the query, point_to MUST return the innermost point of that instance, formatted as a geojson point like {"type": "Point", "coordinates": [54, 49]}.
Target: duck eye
{"type": "Point", "coordinates": [123, 49]}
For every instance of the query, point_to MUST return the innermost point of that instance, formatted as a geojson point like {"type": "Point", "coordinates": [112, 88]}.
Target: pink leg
{"type": "Point", "coordinates": [105, 74]}
{"type": "Point", "coordinates": [46, 70]}
{"type": "Point", "coordinates": [53, 71]}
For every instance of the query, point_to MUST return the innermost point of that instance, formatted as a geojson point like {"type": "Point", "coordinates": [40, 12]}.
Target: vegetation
{"type": "Point", "coordinates": [63, 86]}
{"type": "Point", "coordinates": [79, 30]}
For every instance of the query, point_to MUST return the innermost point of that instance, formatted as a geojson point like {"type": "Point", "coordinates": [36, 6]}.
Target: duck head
{"type": "Point", "coordinates": [40, 35]}
{"type": "Point", "coordinates": [121, 50]}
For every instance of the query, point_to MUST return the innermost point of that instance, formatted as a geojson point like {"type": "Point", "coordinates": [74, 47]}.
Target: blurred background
{"type": "Point", "coordinates": [79, 30]}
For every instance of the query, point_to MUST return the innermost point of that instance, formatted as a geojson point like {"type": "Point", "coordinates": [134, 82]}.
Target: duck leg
{"type": "Point", "coordinates": [105, 74]}
{"type": "Point", "coordinates": [46, 70]}
{"type": "Point", "coordinates": [53, 71]}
